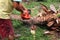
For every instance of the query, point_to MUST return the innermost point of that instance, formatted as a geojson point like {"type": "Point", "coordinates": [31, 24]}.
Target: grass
{"type": "Point", "coordinates": [24, 30]}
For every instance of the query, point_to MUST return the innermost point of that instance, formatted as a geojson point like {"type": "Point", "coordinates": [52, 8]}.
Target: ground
{"type": "Point", "coordinates": [24, 30]}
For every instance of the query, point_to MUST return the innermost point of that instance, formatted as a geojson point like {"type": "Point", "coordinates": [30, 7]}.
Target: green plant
{"type": "Point", "coordinates": [58, 15]}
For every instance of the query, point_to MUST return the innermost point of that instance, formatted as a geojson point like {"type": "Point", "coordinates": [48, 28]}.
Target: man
{"type": "Point", "coordinates": [6, 7]}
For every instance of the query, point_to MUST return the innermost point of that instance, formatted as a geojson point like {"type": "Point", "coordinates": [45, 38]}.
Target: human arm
{"type": "Point", "coordinates": [18, 6]}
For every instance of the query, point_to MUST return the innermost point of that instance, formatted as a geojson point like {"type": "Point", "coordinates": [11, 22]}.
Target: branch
{"type": "Point", "coordinates": [14, 16]}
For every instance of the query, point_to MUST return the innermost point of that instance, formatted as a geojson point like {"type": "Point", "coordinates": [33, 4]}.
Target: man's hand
{"type": "Point", "coordinates": [18, 6]}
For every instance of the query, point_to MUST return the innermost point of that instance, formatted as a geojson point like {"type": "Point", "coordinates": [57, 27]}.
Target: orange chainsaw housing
{"type": "Point", "coordinates": [25, 15]}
